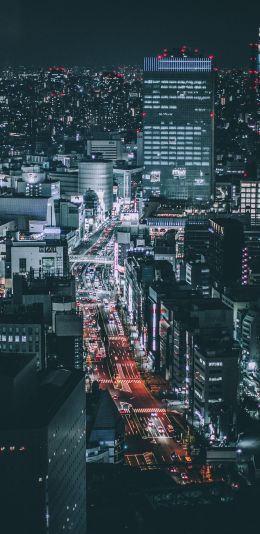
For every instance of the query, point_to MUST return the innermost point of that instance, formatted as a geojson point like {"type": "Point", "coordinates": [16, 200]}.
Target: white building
{"type": "Point", "coordinates": [97, 175]}
{"type": "Point", "coordinates": [111, 149]}
{"type": "Point", "coordinates": [49, 256]}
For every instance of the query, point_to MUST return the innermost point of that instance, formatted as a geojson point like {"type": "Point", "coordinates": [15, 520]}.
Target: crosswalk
{"type": "Point", "coordinates": [144, 461]}
{"type": "Point", "coordinates": [132, 380]}
{"type": "Point", "coordinates": [150, 410]}
{"type": "Point", "coordinates": [105, 381]}
{"type": "Point", "coordinates": [122, 380]}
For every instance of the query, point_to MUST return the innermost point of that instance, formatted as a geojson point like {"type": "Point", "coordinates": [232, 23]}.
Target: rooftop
{"type": "Point", "coordinates": [107, 415]}
{"type": "Point", "coordinates": [12, 314]}
{"type": "Point", "coordinates": [243, 293]}
{"type": "Point", "coordinates": [49, 391]}
{"type": "Point", "coordinates": [215, 342]}
{"type": "Point", "coordinates": [12, 364]}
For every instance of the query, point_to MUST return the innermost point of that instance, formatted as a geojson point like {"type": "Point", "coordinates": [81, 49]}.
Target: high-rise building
{"type": "Point", "coordinates": [250, 339]}
{"type": "Point", "coordinates": [253, 94]}
{"type": "Point", "coordinates": [215, 381]}
{"type": "Point", "coordinates": [198, 276]}
{"type": "Point", "coordinates": [252, 253]}
{"type": "Point", "coordinates": [42, 448]}
{"type": "Point", "coordinates": [140, 148]}
{"type": "Point", "coordinates": [125, 175]}
{"type": "Point", "coordinates": [250, 199]}
{"type": "Point", "coordinates": [127, 238]}
{"type": "Point", "coordinates": [258, 89]}
{"type": "Point", "coordinates": [225, 253]}
{"type": "Point", "coordinates": [65, 342]}
{"type": "Point", "coordinates": [178, 125]}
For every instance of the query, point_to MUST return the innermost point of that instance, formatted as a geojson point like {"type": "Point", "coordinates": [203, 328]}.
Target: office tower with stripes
{"type": "Point", "coordinates": [179, 126]}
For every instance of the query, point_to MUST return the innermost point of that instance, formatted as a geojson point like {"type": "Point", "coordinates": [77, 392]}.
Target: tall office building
{"type": "Point", "coordinates": [43, 448]}
{"type": "Point", "coordinates": [225, 254]}
{"type": "Point", "coordinates": [215, 380]}
{"type": "Point", "coordinates": [253, 83]}
{"type": "Point", "coordinates": [258, 70]}
{"type": "Point", "coordinates": [250, 199]}
{"type": "Point", "coordinates": [178, 125]}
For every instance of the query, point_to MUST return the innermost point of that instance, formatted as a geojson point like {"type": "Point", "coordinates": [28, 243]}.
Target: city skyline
{"type": "Point", "coordinates": [59, 34]}
{"type": "Point", "coordinates": [129, 268]}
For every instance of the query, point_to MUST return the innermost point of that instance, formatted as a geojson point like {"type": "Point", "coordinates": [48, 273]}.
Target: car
{"type": "Point", "coordinates": [153, 414]}
{"type": "Point", "coordinates": [160, 429]}
{"type": "Point", "coordinates": [115, 397]}
{"type": "Point", "coordinates": [174, 470]}
{"type": "Point", "coordinates": [173, 455]}
{"type": "Point", "coordinates": [170, 428]}
{"type": "Point", "coordinates": [184, 476]}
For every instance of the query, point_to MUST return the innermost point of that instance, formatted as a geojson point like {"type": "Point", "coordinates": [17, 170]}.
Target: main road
{"type": "Point", "coordinates": [152, 432]}
{"type": "Point", "coordinates": [154, 436]}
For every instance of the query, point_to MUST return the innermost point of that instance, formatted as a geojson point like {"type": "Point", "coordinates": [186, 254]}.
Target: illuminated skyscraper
{"type": "Point", "coordinates": [258, 82]}
{"type": "Point", "coordinates": [178, 125]}
{"type": "Point", "coordinates": [254, 83]}
{"type": "Point", "coordinates": [250, 199]}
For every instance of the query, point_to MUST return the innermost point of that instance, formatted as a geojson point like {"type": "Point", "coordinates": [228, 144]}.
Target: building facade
{"type": "Point", "coordinates": [97, 175]}
{"type": "Point", "coordinates": [111, 149]}
{"type": "Point", "coordinates": [250, 199]}
{"type": "Point", "coordinates": [225, 254]}
{"type": "Point", "coordinates": [22, 331]}
{"type": "Point", "coordinates": [178, 126]}
{"type": "Point", "coordinates": [215, 382]}
{"type": "Point", "coordinates": [43, 448]}
{"type": "Point", "coordinates": [43, 257]}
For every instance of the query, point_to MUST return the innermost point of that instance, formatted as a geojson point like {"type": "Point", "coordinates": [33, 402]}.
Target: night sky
{"type": "Point", "coordinates": [83, 32]}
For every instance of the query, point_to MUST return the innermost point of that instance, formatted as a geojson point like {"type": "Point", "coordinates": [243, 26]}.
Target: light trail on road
{"type": "Point", "coordinates": [119, 373]}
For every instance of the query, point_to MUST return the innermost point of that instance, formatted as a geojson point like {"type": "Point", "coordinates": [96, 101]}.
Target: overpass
{"type": "Point", "coordinates": [86, 258]}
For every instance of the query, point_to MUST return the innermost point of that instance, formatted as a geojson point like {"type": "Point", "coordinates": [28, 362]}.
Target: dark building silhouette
{"type": "Point", "coordinates": [226, 245]}
{"type": "Point", "coordinates": [22, 331]}
{"type": "Point", "coordinates": [42, 448]}
{"type": "Point", "coordinates": [106, 426]}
